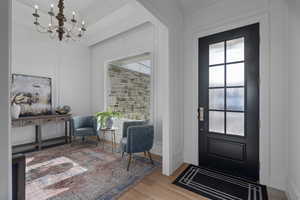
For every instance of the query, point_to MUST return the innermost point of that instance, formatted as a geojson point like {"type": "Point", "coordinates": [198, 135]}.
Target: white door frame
{"type": "Point", "coordinates": [264, 136]}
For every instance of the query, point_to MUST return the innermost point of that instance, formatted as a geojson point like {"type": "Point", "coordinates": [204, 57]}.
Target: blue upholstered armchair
{"type": "Point", "coordinates": [84, 127]}
{"type": "Point", "coordinates": [137, 137]}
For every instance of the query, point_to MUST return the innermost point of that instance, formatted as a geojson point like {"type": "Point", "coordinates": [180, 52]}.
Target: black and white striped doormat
{"type": "Point", "coordinates": [218, 186]}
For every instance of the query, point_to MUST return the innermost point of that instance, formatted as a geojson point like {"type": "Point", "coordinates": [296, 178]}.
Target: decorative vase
{"type": "Point", "coordinates": [15, 111]}
{"type": "Point", "coordinates": [63, 110]}
{"type": "Point", "coordinates": [109, 123]}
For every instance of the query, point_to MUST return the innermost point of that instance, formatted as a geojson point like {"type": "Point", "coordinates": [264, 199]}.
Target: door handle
{"type": "Point", "coordinates": [201, 114]}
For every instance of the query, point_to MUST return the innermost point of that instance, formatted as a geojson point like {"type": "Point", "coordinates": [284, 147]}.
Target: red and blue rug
{"type": "Point", "coordinates": [81, 172]}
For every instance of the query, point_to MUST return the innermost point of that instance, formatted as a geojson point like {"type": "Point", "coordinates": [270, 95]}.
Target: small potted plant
{"type": "Point", "coordinates": [106, 118]}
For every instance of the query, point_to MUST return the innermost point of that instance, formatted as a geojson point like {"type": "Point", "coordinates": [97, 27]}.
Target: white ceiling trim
{"type": "Point", "coordinates": [191, 6]}
{"type": "Point", "coordinates": [124, 19]}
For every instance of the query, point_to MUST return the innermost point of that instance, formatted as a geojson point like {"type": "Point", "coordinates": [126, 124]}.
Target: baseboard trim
{"type": "Point", "coordinates": [177, 161]}
{"type": "Point", "coordinates": [293, 192]}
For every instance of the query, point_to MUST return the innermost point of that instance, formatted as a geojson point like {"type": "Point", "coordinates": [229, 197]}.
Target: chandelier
{"type": "Point", "coordinates": [59, 26]}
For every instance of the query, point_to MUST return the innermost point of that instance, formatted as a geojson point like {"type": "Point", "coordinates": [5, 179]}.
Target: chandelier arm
{"type": "Point", "coordinates": [52, 36]}
{"type": "Point", "coordinates": [74, 34]}
{"type": "Point", "coordinates": [73, 26]}
{"type": "Point", "coordinates": [41, 29]}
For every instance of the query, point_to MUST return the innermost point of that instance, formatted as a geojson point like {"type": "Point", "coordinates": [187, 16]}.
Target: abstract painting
{"type": "Point", "coordinates": [33, 94]}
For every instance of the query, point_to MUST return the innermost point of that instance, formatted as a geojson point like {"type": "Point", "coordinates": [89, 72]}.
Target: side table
{"type": "Point", "coordinates": [112, 131]}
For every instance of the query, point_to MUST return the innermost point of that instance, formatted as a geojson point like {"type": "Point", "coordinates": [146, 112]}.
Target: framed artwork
{"type": "Point", "coordinates": [33, 94]}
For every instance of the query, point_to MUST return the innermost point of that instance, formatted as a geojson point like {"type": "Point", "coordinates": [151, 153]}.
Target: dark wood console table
{"type": "Point", "coordinates": [38, 121]}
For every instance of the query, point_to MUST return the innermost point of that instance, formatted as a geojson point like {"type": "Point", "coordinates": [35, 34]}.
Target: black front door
{"type": "Point", "coordinates": [229, 102]}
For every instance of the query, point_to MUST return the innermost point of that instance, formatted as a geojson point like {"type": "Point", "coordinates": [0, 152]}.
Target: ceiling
{"type": "Point", "coordinates": [89, 10]}
{"type": "Point", "coordinates": [190, 6]}
{"type": "Point", "coordinates": [94, 10]}
{"type": "Point", "coordinates": [104, 18]}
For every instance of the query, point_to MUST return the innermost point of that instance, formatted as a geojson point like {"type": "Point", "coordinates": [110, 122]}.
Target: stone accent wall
{"type": "Point", "coordinates": [129, 93]}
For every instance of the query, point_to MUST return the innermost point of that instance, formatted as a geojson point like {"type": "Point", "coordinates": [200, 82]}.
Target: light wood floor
{"type": "Point", "coordinates": [159, 187]}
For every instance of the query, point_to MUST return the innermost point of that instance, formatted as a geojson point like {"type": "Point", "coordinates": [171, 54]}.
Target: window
{"type": "Point", "coordinates": [227, 87]}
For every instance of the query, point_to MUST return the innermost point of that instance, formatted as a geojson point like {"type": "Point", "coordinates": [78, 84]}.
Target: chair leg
{"type": "Point", "coordinates": [150, 157]}
{"type": "Point", "coordinates": [129, 161]}
{"type": "Point", "coordinates": [73, 140]}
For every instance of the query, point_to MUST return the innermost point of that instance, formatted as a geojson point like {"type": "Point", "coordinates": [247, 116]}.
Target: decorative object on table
{"type": "Point", "coordinates": [15, 110]}
{"type": "Point", "coordinates": [137, 137]}
{"type": "Point", "coordinates": [109, 122]}
{"type": "Point", "coordinates": [84, 126]}
{"type": "Point", "coordinates": [216, 185]}
{"type": "Point", "coordinates": [58, 26]}
{"type": "Point", "coordinates": [106, 118]}
{"type": "Point", "coordinates": [81, 172]}
{"type": "Point", "coordinates": [63, 110]}
{"type": "Point", "coordinates": [33, 94]}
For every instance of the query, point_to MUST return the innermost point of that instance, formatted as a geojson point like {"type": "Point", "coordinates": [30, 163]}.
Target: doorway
{"type": "Point", "coordinates": [129, 90]}
{"type": "Point", "coordinates": [229, 102]}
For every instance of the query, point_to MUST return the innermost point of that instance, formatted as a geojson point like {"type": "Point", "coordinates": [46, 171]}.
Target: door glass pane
{"type": "Point", "coordinates": [216, 53]}
{"type": "Point", "coordinates": [235, 123]}
{"type": "Point", "coordinates": [216, 76]}
{"type": "Point", "coordinates": [235, 99]}
{"type": "Point", "coordinates": [235, 75]}
{"type": "Point", "coordinates": [216, 99]}
{"type": "Point", "coordinates": [216, 122]}
{"type": "Point", "coordinates": [235, 50]}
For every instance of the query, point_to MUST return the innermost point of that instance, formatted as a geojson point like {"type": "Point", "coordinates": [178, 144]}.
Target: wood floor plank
{"type": "Point", "coordinates": [134, 194]}
{"type": "Point", "coordinates": [159, 187]}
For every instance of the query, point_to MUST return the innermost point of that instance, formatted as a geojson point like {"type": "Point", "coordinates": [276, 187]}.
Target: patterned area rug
{"type": "Point", "coordinates": [219, 186]}
{"type": "Point", "coordinates": [81, 172]}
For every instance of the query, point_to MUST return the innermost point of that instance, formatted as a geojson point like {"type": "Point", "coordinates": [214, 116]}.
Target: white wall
{"type": "Point", "coordinates": [5, 151]}
{"type": "Point", "coordinates": [67, 64]}
{"type": "Point", "coordinates": [227, 15]}
{"type": "Point", "coordinates": [294, 99]}
{"type": "Point", "coordinates": [170, 61]}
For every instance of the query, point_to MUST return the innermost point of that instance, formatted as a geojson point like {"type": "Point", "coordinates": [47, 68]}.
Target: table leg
{"type": "Point", "coordinates": [66, 132]}
{"type": "Point", "coordinates": [112, 142]}
{"type": "Point", "coordinates": [103, 138]}
{"type": "Point", "coordinates": [38, 136]}
{"type": "Point", "coordinates": [70, 133]}
{"type": "Point", "coordinates": [114, 132]}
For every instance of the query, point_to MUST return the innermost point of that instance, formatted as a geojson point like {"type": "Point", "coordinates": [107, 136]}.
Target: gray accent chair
{"type": "Point", "coordinates": [84, 126]}
{"type": "Point", "coordinates": [137, 137]}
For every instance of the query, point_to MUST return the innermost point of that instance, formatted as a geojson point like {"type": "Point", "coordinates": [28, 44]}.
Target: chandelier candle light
{"type": "Point", "coordinates": [64, 31]}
